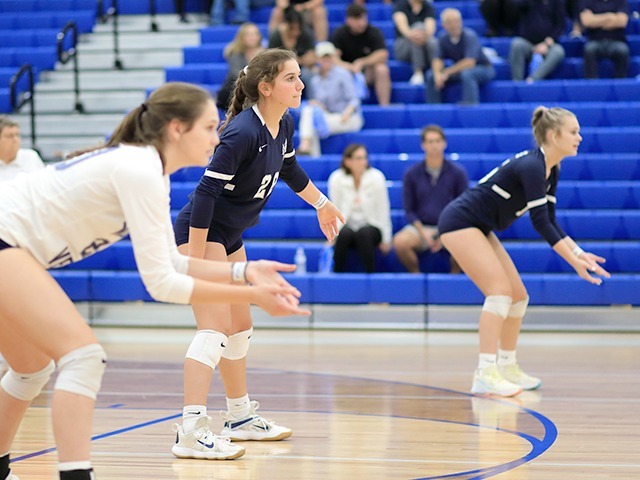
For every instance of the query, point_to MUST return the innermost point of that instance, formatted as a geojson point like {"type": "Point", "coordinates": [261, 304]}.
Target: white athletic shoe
{"type": "Point", "coordinates": [203, 444]}
{"type": "Point", "coordinates": [253, 427]}
{"type": "Point", "coordinates": [514, 374]}
{"type": "Point", "coordinates": [489, 381]}
{"type": "Point", "coordinates": [417, 79]}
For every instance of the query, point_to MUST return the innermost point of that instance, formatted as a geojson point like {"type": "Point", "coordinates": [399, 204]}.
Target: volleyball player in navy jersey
{"type": "Point", "coordinates": [525, 182]}
{"type": "Point", "coordinates": [70, 210]}
{"type": "Point", "coordinates": [255, 151]}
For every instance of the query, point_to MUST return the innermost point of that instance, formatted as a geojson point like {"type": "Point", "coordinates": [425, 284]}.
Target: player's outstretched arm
{"type": "Point", "coordinates": [328, 213]}
{"type": "Point", "coordinates": [585, 264]}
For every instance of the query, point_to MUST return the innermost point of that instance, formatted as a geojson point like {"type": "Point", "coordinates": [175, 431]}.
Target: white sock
{"type": "Point", "coordinates": [68, 466]}
{"type": "Point", "coordinates": [190, 415]}
{"type": "Point", "coordinates": [506, 357]}
{"type": "Point", "coordinates": [239, 407]}
{"type": "Point", "coordinates": [486, 360]}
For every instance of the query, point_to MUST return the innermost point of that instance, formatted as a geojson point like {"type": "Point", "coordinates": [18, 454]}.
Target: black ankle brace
{"type": "Point", "coordinates": [78, 475]}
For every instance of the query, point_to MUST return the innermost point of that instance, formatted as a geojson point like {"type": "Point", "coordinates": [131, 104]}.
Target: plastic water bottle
{"type": "Point", "coordinates": [536, 60]}
{"type": "Point", "coordinates": [300, 259]}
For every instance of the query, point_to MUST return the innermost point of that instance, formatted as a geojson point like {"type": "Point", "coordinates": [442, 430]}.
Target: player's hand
{"type": "Point", "coordinates": [328, 217]}
{"type": "Point", "coordinates": [589, 264]}
{"type": "Point", "coordinates": [266, 272]}
{"type": "Point", "coordinates": [279, 301]}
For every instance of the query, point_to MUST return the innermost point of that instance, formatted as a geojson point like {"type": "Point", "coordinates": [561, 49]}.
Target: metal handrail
{"type": "Point", "coordinates": [103, 16]}
{"type": "Point", "coordinates": [71, 53]}
{"type": "Point", "coordinates": [18, 101]}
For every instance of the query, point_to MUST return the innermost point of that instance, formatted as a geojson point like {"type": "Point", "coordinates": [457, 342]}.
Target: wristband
{"type": "Point", "coordinates": [239, 271]}
{"type": "Point", "coordinates": [321, 202]}
{"type": "Point", "coordinates": [577, 251]}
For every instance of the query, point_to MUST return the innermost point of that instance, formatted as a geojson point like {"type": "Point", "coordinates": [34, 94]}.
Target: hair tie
{"type": "Point", "coordinates": [246, 70]}
{"type": "Point", "coordinates": [144, 107]}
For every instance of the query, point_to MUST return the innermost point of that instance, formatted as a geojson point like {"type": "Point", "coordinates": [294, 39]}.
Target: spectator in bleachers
{"type": "Point", "coordinates": [181, 10]}
{"type": "Point", "coordinates": [525, 182]}
{"type": "Point", "coordinates": [238, 53]}
{"type": "Point", "coordinates": [13, 159]}
{"type": "Point", "coordinates": [541, 24]}
{"type": "Point", "coordinates": [62, 214]}
{"type": "Point", "coordinates": [362, 49]}
{"type": "Point", "coordinates": [255, 152]}
{"type": "Point", "coordinates": [427, 187]}
{"type": "Point", "coordinates": [572, 9]}
{"type": "Point", "coordinates": [501, 17]}
{"type": "Point", "coordinates": [605, 22]}
{"type": "Point", "coordinates": [360, 193]}
{"type": "Point", "coordinates": [313, 13]}
{"type": "Point", "coordinates": [468, 64]}
{"type": "Point", "coordinates": [334, 104]}
{"type": "Point", "coordinates": [292, 34]}
{"type": "Point", "coordinates": [241, 12]}
{"type": "Point", "coordinates": [415, 26]}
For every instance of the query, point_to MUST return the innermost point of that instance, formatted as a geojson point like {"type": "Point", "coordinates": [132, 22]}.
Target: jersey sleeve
{"type": "Point", "coordinates": [291, 172]}
{"type": "Point", "coordinates": [144, 200]}
{"type": "Point", "coordinates": [234, 144]}
{"type": "Point", "coordinates": [551, 197]}
{"type": "Point", "coordinates": [532, 176]}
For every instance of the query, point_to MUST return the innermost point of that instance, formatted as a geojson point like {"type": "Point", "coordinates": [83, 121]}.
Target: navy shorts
{"type": "Point", "coordinates": [231, 239]}
{"type": "Point", "coordinates": [455, 217]}
{"type": "Point", "coordinates": [4, 245]}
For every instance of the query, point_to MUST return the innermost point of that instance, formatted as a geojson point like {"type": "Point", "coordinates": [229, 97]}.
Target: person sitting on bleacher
{"type": "Point", "coordinates": [501, 16]}
{"type": "Point", "coordinates": [469, 64]}
{"type": "Point", "coordinates": [541, 24]}
{"type": "Point", "coordinates": [415, 26]}
{"type": "Point", "coordinates": [335, 103]}
{"type": "Point", "coordinates": [292, 34]}
{"type": "Point", "coordinates": [313, 12]}
{"type": "Point", "coordinates": [362, 49]}
{"type": "Point", "coordinates": [360, 193]}
{"type": "Point", "coordinates": [605, 21]}
{"type": "Point", "coordinates": [427, 187]}
{"type": "Point", "coordinates": [238, 53]}
{"type": "Point", "coordinates": [13, 159]}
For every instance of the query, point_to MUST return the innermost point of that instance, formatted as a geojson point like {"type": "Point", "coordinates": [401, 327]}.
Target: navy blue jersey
{"type": "Point", "coordinates": [507, 192]}
{"type": "Point", "coordinates": [243, 172]}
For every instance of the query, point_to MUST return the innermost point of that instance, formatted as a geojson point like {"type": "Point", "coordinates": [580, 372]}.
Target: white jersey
{"type": "Point", "coordinates": [73, 209]}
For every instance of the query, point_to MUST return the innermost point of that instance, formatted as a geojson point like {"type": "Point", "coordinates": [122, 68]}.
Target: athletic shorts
{"type": "Point", "coordinates": [454, 217]}
{"type": "Point", "coordinates": [4, 245]}
{"type": "Point", "coordinates": [231, 239]}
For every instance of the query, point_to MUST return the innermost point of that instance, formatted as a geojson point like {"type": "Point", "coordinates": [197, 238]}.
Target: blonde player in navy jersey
{"type": "Point", "coordinates": [525, 182]}
{"type": "Point", "coordinates": [69, 211]}
{"type": "Point", "coordinates": [256, 149]}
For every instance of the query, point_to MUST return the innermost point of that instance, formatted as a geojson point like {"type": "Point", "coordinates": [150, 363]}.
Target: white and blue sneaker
{"type": "Point", "coordinates": [253, 427]}
{"type": "Point", "coordinates": [203, 444]}
{"type": "Point", "coordinates": [514, 374]}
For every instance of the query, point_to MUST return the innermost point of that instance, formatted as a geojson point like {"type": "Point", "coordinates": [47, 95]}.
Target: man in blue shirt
{"type": "Point", "coordinates": [427, 187]}
{"type": "Point", "coordinates": [605, 21]}
{"type": "Point", "coordinates": [469, 64]}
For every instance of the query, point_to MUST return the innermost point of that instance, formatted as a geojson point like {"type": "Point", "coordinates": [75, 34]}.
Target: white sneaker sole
{"type": "Point", "coordinates": [487, 391]}
{"type": "Point", "coordinates": [245, 436]}
{"type": "Point", "coordinates": [182, 452]}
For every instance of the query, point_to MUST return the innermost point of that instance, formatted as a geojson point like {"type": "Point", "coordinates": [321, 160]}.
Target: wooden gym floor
{"type": "Point", "coordinates": [368, 405]}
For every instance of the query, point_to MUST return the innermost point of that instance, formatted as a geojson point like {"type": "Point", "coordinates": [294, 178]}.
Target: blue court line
{"type": "Point", "coordinates": [101, 436]}
{"type": "Point", "coordinates": [539, 446]}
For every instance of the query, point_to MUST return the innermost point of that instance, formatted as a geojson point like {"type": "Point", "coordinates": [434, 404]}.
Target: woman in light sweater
{"type": "Point", "coordinates": [360, 192]}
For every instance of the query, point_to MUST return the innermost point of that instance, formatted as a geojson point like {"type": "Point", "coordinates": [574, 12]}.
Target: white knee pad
{"type": "Point", "coordinates": [206, 347]}
{"type": "Point", "coordinates": [518, 309]}
{"type": "Point", "coordinates": [26, 386]}
{"type": "Point", "coordinates": [497, 304]}
{"type": "Point", "coordinates": [238, 345]}
{"type": "Point", "coordinates": [81, 370]}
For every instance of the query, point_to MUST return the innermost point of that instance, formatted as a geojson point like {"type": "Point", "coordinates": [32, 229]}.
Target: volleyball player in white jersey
{"type": "Point", "coordinates": [71, 210]}
{"type": "Point", "coordinates": [523, 183]}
